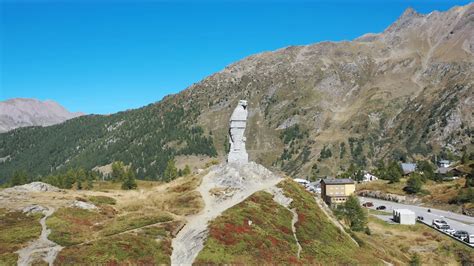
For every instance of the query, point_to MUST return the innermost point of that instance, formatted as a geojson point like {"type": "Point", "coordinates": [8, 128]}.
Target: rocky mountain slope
{"type": "Point", "coordinates": [404, 93]}
{"type": "Point", "coordinates": [21, 112]}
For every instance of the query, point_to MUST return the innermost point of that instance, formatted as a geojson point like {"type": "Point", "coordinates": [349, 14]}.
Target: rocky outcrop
{"type": "Point", "coordinates": [83, 205]}
{"type": "Point", "coordinates": [34, 209]}
{"type": "Point", "coordinates": [32, 187]}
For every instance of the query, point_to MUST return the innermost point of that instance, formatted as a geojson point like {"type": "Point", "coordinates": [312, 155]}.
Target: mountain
{"type": "Point", "coordinates": [21, 112]}
{"type": "Point", "coordinates": [403, 94]}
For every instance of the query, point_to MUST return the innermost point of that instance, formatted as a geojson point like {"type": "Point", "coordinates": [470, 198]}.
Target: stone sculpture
{"type": "Point", "coordinates": [238, 121]}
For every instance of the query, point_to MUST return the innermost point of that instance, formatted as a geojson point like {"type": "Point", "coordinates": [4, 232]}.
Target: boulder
{"type": "Point", "coordinates": [33, 209]}
{"type": "Point", "coordinates": [83, 205]}
{"type": "Point", "coordinates": [33, 187]}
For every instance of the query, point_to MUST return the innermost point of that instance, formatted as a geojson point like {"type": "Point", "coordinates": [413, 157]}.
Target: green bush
{"type": "Point", "coordinates": [414, 184]}
{"type": "Point", "coordinates": [100, 200]}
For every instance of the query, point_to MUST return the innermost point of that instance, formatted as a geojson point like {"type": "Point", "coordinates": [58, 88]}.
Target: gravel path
{"type": "Point", "coordinates": [42, 248]}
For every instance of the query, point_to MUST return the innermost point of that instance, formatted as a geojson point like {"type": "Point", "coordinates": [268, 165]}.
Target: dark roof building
{"type": "Point", "coordinates": [335, 191]}
{"type": "Point", "coordinates": [408, 168]}
{"type": "Point", "coordinates": [337, 181]}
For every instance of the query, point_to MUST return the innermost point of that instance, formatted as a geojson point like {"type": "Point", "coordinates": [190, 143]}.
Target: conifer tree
{"type": "Point", "coordinates": [170, 171]}
{"type": "Point", "coordinates": [187, 170]}
{"type": "Point", "coordinates": [19, 178]}
{"type": "Point", "coordinates": [118, 171]}
{"type": "Point", "coordinates": [129, 180]}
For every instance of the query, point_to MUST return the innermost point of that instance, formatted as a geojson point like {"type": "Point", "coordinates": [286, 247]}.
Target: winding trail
{"type": "Point", "coordinates": [237, 183]}
{"type": "Point", "coordinates": [280, 198]}
{"type": "Point", "coordinates": [42, 248]}
{"type": "Point", "coordinates": [294, 220]}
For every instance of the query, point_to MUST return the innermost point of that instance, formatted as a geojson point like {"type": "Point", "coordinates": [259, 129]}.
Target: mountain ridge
{"type": "Point", "coordinates": [24, 112]}
{"type": "Point", "coordinates": [403, 94]}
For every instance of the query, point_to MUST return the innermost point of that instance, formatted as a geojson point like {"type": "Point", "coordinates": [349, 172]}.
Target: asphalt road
{"type": "Point", "coordinates": [456, 221]}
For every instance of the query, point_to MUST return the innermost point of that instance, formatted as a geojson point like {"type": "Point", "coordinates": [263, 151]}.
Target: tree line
{"type": "Point", "coordinates": [79, 178]}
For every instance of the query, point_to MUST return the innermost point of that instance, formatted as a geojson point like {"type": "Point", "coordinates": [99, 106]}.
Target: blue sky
{"type": "Point", "coordinates": [107, 56]}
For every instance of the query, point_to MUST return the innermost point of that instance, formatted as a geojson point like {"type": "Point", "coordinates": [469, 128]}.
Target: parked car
{"type": "Point", "coordinates": [438, 223]}
{"type": "Point", "coordinates": [381, 207]}
{"type": "Point", "coordinates": [368, 204]}
{"type": "Point", "coordinates": [461, 234]}
{"type": "Point", "coordinates": [448, 229]}
{"type": "Point", "coordinates": [311, 188]}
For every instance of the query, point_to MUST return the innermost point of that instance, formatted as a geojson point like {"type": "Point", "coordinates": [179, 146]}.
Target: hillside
{"type": "Point", "coordinates": [21, 112]}
{"type": "Point", "coordinates": [148, 138]}
{"type": "Point", "coordinates": [259, 231]}
{"type": "Point", "coordinates": [110, 226]}
{"type": "Point", "coordinates": [404, 93]}
{"type": "Point", "coordinates": [97, 226]}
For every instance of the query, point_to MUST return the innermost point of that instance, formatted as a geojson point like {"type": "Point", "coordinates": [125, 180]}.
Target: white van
{"type": "Point", "coordinates": [469, 239]}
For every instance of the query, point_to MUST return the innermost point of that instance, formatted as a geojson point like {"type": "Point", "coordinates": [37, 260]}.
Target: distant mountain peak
{"type": "Point", "coordinates": [410, 12]}
{"type": "Point", "coordinates": [405, 20]}
{"type": "Point", "coordinates": [24, 112]}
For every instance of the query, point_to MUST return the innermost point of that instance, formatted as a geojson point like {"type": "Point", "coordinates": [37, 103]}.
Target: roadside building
{"type": "Point", "coordinates": [404, 216]}
{"type": "Point", "coordinates": [335, 191]}
{"type": "Point", "coordinates": [448, 173]}
{"type": "Point", "coordinates": [408, 168]}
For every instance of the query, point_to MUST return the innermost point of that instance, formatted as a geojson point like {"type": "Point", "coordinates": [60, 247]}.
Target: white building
{"type": "Point", "coordinates": [444, 163]}
{"type": "Point", "coordinates": [404, 216]}
{"type": "Point", "coordinates": [368, 177]}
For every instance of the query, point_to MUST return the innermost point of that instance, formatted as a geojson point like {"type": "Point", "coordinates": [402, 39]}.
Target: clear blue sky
{"type": "Point", "coordinates": [115, 55]}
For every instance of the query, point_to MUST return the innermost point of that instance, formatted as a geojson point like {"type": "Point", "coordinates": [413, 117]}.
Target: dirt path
{"type": "Point", "coordinates": [280, 198]}
{"type": "Point", "coordinates": [42, 248]}
{"type": "Point", "coordinates": [236, 182]}
{"type": "Point", "coordinates": [294, 220]}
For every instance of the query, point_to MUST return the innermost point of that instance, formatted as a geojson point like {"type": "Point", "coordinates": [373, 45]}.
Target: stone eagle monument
{"type": "Point", "coordinates": [238, 121]}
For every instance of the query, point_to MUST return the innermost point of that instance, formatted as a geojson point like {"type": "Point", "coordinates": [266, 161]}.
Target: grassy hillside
{"type": "Point", "coordinates": [16, 230]}
{"type": "Point", "coordinates": [269, 237]}
{"type": "Point", "coordinates": [134, 227]}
